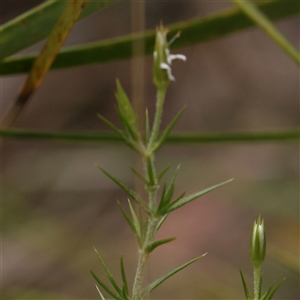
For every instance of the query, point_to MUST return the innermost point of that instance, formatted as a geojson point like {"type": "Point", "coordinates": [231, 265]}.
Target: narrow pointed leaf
{"type": "Point", "coordinates": [270, 296]}
{"type": "Point", "coordinates": [124, 280]}
{"type": "Point", "coordinates": [166, 132]}
{"type": "Point", "coordinates": [192, 197]}
{"type": "Point", "coordinates": [108, 274]}
{"type": "Point", "coordinates": [129, 191]}
{"type": "Point", "coordinates": [160, 280]}
{"type": "Point", "coordinates": [267, 293]}
{"type": "Point", "coordinates": [134, 218]}
{"type": "Point", "coordinates": [140, 176]}
{"type": "Point", "coordinates": [107, 289]}
{"type": "Point", "coordinates": [102, 297]}
{"type": "Point", "coordinates": [161, 221]}
{"type": "Point", "coordinates": [131, 225]}
{"type": "Point", "coordinates": [155, 244]}
{"type": "Point", "coordinates": [112, 126]}
{"type": "Point", "coordinates": [163, 172]}
{"type": "Point", "coordinates": [247, 294]}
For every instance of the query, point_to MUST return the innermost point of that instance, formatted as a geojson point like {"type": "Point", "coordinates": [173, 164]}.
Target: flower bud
{"type": "Point", "coordinates": [258, 243]}
{"type": "Point", "coordinates": [162, 72]}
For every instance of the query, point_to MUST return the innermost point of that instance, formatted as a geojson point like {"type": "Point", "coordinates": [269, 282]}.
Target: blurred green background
{"type": "Point", "coordinates": [56, 206]}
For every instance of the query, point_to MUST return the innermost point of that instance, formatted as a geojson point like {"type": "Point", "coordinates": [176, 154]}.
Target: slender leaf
{"type": "Point", "coordinates": [247, 294]}
{"type": "Point", "coordinates": [134, 218]}
{"type": "Point", "coordinates": [155, 244]}
{"type": "Point", "coordinates": [140, 176]}
{"type": "Point", "coordinates": [44, 60]}
{"type": "Point", "coordinates": [160, 280]}
{"type": "Point", "coordinates": [151, 172]}
{"type": "Point", "coordinates": [102, 297]}
{"type": "Point", "coordinates": [108, 274]}
{"type": "Point", "coordinates": [131, 225]}
{"type": "Point", "coordinates": [107, 289]}
{"type": "Point", "coordinates": [161, 221]}
{"type": "Point", "coordinates": [36, 24]}
{"type": "Point", "coordinates": [113, 127]}
{"type": "Point", "coordinates": [147, 127]}
{"type": "Point", "coordinates": [129, 191]}
{"type": "Point", "coordinates": [270, 296]}
{"type": "Point", "coordinates": [172, 206]}
{"type": "Point", "coordinates": [162, 173]}
{"type": "Point", "coordinates": [123, 274]}
{"type": "Point", "coordinates": [192, 32]}
{"type": "Point", "coordinates": [166, 132]}
{"type": "Point", "coordinates": [254, 13]}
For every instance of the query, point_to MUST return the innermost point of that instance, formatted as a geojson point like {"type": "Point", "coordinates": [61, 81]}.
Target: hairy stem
{"type": "Point", "coordinates": [257, 281]}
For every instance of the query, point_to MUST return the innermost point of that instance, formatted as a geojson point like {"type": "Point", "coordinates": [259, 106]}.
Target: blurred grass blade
{"type": "Point", "coordinates": [44, 60]}
{"type": "Point", "coordinates": [253, 12]}
{"type": "Point", "coordinates": [160, 280]}
{"type": "Point", "coordinates": [289, 135]}
{"type": "Point", "coordinates": [36, 24]}
{"type": "Point", "coordinates": [192, 32]}
{"type": "Point", "coordinates": [134, 218]}
{"type": "Point", "coordinates": [183, 201]}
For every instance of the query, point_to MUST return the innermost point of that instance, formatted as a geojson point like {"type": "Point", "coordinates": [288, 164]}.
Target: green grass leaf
{"type": "Point", "coordinates": [254, 13]}
{"type": "Point", "coordinates": [134, 218]}
{"type": "Point", "coordinates": [46, 57]}
{"type": "Point", "coordinates": [183, 201]}
{"type": "Point", "coordinates": [36, 24]}
{"type": "Point", "coordinates": [192, 32]}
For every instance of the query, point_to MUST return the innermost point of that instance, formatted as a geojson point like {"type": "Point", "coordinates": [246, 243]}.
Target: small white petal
{"type": "Point", "coordinates": [168, 69]}
{"type": "Point", "coordinates": [177, 56]}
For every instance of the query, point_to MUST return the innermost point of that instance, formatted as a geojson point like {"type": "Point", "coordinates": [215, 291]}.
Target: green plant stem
{"type": "Point", "coordinates": [150, 231]}
{"type": "Point", "coordinates": [158, 115]}
{"type": "Point", "coordinates": [257, 275]}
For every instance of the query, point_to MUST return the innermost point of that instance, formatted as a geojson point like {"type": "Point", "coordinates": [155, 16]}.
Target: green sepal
{"type": "Point", "coordinates": [172, 206]}
{"type": "Point", "coordinates": [269, 293]}
{"type": "Point", "coordinates": [126, 112]}
{"type": "Point", "coordinates": [125, 292]}
{"type": "Point", "coordinates": [160, 280]}
{"type": "Point", "coordinates": [155, 244]}
{"type": "Point", "coordinates": [107, 289]}
{"type": "Point", "coordinates": [166, 132]}
{"type": "Point", "coordinates": [130, 223]}
{"type": "Point", "coordinates": [247, 294]}
{"type": "Point", "coordinates": [129, 191]}
{"type": "Point", "coordinates": [102, 297]}
{"type": "Point", "coordinates": [108, 274]}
